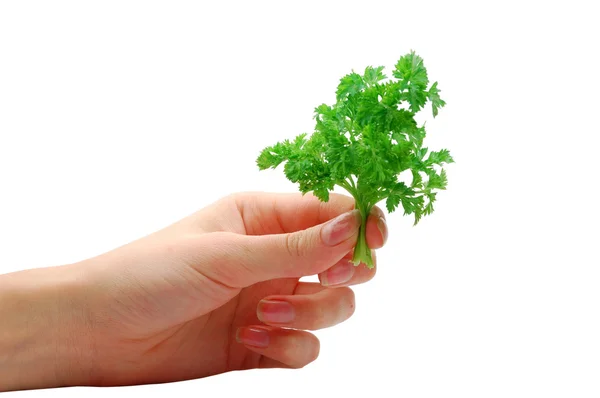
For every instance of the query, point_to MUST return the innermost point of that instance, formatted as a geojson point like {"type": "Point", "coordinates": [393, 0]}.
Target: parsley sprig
{"type": "Point", "coordinates": [364, 141]}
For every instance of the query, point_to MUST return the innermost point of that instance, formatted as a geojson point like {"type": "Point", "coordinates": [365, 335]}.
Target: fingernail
{"type": "Point", "coordinates": [341, 228]}
{"type": "Point", "coordinates": [273, 311]}
{"type": "Point", "coordinates": [253, 336]}
{"type": "Point", "coordinates": [382, 226]}
{"type": "Point", "coordinates": [338, 274]}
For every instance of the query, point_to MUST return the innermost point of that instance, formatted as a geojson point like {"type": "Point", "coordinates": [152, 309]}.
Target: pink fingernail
{"type": "Point", "coordinates": [338, 274]}
{"type": "Point", "coordinates": [253, 337]}
{"type": "Point", "coordinates": [274, 311]}
{"type": "Point", "coordinates": [341, 228]}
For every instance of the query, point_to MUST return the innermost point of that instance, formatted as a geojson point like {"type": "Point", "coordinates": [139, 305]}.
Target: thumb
{"type": "Point", "coordinates": [246, 260]}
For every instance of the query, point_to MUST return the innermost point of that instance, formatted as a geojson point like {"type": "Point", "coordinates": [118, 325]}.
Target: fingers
{"type": "Point", "coordinates": [270, 213]}
{"type": "Point", "coordinates": [275, 213]}
{"type": "Point", "coordinates": [282, 347]}
{"type": "Point", "coordinates": [377, 231]}
{"type": "Point", "coordinates": [280, 340]}
{"type": "Point", "coordinates": [319, 310]}
{"type": "Point", "coordinates": [344, 273]}
{"type": "Point", "coordinates": [308, 288]}
{"type": "Point", "coordinates": [244, 260]}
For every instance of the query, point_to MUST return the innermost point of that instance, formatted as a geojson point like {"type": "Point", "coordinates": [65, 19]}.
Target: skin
{"type": "Point", "coordinates": [215, 292]}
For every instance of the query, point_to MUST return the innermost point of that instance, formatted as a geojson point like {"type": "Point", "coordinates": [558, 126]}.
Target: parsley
{"type": "Point", "coordinates": [365, 140]}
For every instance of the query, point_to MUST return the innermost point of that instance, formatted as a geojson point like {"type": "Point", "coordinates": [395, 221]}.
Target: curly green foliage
{"type": "Point", "coordinates": [364, 141]}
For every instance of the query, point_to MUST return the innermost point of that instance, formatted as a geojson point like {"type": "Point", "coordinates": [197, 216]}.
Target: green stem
{"type": "Point", "coordinates": [362, 252]}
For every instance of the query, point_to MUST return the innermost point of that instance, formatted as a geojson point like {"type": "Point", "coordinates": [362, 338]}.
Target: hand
{"type": "Point", "coordinates": [220, 291]}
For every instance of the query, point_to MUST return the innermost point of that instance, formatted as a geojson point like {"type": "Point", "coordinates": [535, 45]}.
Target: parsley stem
{"type": "Point", "coordinates": [362, 252]}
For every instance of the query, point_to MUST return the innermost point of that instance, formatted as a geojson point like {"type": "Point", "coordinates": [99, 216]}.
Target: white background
{"type": "Point", "coordinates": [120, 117]}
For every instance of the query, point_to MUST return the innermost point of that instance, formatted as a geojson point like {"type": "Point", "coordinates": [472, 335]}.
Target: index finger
{"type": "Point", "coordinates": [271, 213]}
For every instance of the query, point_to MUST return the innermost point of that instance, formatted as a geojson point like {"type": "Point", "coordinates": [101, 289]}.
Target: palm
{"type": "Point", "coordinates": [216, 329]}
{"type": "Point", "coordinates": [206, 345]}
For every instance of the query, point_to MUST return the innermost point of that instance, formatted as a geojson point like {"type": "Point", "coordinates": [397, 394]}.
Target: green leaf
{"type": "Point", "coordinates": [434, 96]}
{"type": "Point", "coordinates": [373, 75]}
{"type": "Point", "coordinates": [417, 135]}
{"type": "Point", "coordinates": [437, 181]}
{"type": "Point", "coordinates": [411, 70]}
{"type": "Point", "coordinates": [429, 206]}
{"type": "Point", "coordinates": [322, 110]}
{"type": "Point", "coordinates": [295, 169]}
{"type": "Point", "coordinates": [349, 85]}
{"type": "Point", "coordinates": [273, 156]}
{"type": "Point", "coordinates": [412, 74]}
{"type": "Point", "coordinates": [417, 179]}
{"type": "Point", "coordinates": [440, 158]}
{"type": "Point", "coordinates": [418, 215]}
{"type": "Point", "coordinates": [322, 193]}
{"type": "Point", "coordinates": [398, 193]}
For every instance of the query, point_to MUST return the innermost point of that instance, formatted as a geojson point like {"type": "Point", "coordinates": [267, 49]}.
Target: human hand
{"type": "Point", "coordinates": [220, 291]}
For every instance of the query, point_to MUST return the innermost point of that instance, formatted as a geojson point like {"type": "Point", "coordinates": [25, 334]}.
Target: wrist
{"type": "Point", "coordinates": [45, 338]}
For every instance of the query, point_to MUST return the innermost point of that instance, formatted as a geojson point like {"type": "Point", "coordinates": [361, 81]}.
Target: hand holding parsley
{"type": "Point", "coordinates": [214, 292]}
{"type": "Point", "coordinates": [363, 143]}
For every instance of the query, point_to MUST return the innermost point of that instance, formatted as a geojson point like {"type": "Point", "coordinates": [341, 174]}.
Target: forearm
{"type": "Point", "coordinates": [44, 332]}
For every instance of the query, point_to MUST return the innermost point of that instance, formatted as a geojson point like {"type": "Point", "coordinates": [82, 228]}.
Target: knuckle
{"type": "Point", "coordinates": [350, 303]}
{"type": "Point", "coordinates": [232, 198]}
{"type": "Point", "coordinates": [295, 244]}
{"type": "Point", "coordinates": [320, 318]}
{"type": "Point", "coordinates": [302, 350]}
{"type": "Point", "coordinates": [343, 308]}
